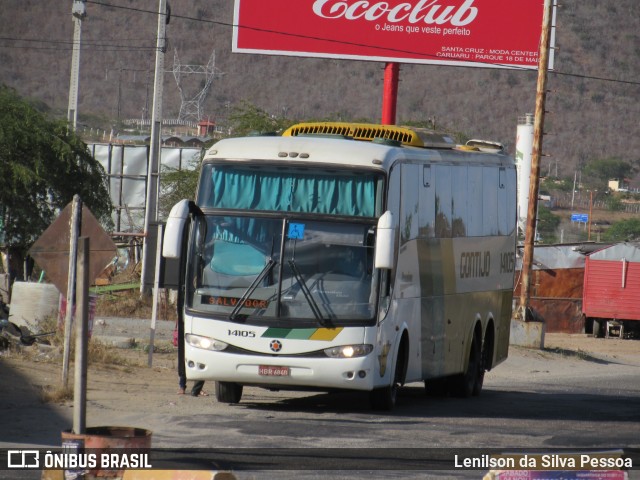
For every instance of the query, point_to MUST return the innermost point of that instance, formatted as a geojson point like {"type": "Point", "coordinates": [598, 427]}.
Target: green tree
{"type": "Point", "coordinates": [605, 169]}
{"type": "Point", "coordinates": [614, 204]}
{"type": "Point", "coordinates": [549, 185]}
{"type": "Point", "coordinates": [176, 185]}
{"type": "Point", "coordinates": [246, 119]}
{"type": "Point", "coordinates": [623, 231]}
{"type": "Point", "coordinates": [547, 223]}
{"type": "Point", "coordinates": [42, 166]}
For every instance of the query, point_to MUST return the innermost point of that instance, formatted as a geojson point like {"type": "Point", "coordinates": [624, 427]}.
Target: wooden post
{"type": "Point", "coordinates": [75, 226]}
{"type": "Point", "coordinates": [82, 338]}
{"type": "Point", "coordinates": [590, 212]}
{"type": "Point", "coordinates": [538, 128]}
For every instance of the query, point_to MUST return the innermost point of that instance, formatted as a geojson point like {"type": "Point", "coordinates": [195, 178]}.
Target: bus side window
{"type": "Point", "coordinates": [507, 209]}
{"type": "Point", "coordinates": [459, 193]}
{"type": "Point", "coordinates": [475, 217]}
{"type": "Point", "coordinates": [444, 201]}
{"type": "Point", "coordinates": [503, 205]}
{"type": "Point", "coordinates": [409, 202]}
{"type": "Point", "coordinates": [427, 214]}
{"type": "Point", "coordinates": [490, 201]}
{"type": "Point", "coordinates": [394, 193]}
{"type": "Point", "coordinates": [393, 205]}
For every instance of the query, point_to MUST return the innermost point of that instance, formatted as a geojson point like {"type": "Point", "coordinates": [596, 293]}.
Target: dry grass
{"type": "Point", "coordinates": [125, 303]}
{"type": "Point", "coordinates": [104, 355]}
{"type": "Point", "coordinates": [122, 298]}
{"type": "Point", "coordinates": [52, 394]}
{"type": "Point", "coordinates": [97, 353]}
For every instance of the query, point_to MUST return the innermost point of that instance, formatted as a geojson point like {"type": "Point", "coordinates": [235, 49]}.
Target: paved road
{"type": "Point", "coordinates": [542, 400]}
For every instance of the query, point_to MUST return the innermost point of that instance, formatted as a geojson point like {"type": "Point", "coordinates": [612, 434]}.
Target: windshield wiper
{"type": "Point", "coordinates": [307, 293]}
{"type": "Point", "coordinates": [247, 293]}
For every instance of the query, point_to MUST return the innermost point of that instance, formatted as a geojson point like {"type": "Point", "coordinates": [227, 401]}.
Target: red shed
{"type": "Point", "coordinates": [611, 294]}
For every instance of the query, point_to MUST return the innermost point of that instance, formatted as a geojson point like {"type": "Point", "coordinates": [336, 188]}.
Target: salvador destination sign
{"type": "Point", "coordinates": [497, 33]}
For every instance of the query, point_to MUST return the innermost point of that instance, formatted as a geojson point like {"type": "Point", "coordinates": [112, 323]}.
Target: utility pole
{"type": "Point", "coordinates": [79, 12]}
{"type": "Point", "coordinates": [538, 129]}
{"type": "Point", "coordinates": [590, 213]}
{"type": "Point", "coordinates": [153, 172]}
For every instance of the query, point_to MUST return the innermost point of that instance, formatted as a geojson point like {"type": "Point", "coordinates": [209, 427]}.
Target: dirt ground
{"type": "Point", "coordinates": [613, 349]}
{"type": "Point", "coordinates": [125, 385]}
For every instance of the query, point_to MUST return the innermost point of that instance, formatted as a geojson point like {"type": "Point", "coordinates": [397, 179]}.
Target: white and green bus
{"type": "Point", "coordinates": [346, 256]}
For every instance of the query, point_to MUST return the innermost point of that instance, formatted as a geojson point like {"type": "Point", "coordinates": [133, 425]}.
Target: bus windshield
{"type": "Point", "coordinates": [290, 189]}
{"type": "Point", "coordinates": [247, 268]}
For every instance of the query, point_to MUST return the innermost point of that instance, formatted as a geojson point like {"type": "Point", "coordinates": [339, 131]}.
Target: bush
{"type": "Point", "coordinates": [623, 231]}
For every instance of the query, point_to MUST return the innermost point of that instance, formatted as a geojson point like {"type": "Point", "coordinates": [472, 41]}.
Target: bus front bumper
{"type": "Point", "coordinates": [281, 371]}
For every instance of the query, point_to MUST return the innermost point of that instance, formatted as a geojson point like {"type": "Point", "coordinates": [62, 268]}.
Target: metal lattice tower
{"type": "Point", "coordinates": [191, 107]}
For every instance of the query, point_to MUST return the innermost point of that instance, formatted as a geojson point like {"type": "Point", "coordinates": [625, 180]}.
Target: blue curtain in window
{"type": "Point", "coordinates": [294, 192]}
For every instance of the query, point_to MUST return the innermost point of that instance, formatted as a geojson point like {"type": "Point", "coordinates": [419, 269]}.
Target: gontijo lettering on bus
{"type": "Point", "coordinates": [478, 264]}
{"type": "Point", "coordinates": [475, 264]}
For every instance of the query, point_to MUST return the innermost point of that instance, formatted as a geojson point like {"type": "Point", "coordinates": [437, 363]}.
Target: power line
{"type": "Point", "coordinates": [58, 49]}
{"type": "Point", "coordinates": [39, 40]}
{"type": "Point", "coordinates": [591, 77]}
{"type": "Point", "coordinates": [85, 44]}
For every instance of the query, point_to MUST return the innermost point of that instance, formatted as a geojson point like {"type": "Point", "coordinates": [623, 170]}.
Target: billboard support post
{"type": "Point", "coordinates": [390, 93]}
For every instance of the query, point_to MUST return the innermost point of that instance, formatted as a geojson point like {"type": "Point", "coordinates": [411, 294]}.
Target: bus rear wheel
{"type": "Point", "coordinates": [227, 392]}
{"type": "Point", "coordinates": [437, 387]}
{"type": "Point", "coordinates": [477, 387]}
{"type": "Point", "coordinates": [470, 382]}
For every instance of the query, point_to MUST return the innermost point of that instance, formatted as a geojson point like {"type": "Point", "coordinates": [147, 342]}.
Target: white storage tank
{"type": "Point", "coordinates": [524, 153]}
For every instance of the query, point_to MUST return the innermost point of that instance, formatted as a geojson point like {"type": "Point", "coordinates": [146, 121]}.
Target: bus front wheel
{"type": "Point", "coordinates": [385, 398]}
{"type": "Point", "coordinates": [227, 392]}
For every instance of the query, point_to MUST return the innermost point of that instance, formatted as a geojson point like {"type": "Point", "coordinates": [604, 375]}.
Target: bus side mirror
{"type": "Point", "coordinates": [385, 241]}
{"type": "Point", "coordinates": [173, 233]}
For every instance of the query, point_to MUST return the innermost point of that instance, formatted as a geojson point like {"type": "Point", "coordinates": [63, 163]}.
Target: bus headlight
{"type": "Point", "coordinates": [205, 343]}
{"type": "Point", "coordinates": [348, 351]}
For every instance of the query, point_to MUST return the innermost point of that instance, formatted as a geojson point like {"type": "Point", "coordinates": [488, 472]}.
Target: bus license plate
{"type": "Point", "coordinates": [271, 371]}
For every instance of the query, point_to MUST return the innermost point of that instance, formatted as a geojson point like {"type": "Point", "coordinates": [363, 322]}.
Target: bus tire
{"type": "Point", "coordinates": [436, 387]}
{"type": "Point", "coordinates": [477, 386]}
{"type": "Point", "coordinates": [385, 398]}
{"type": "Point", "coordinates": [227, 392]}
{"type": "Point", "coordinates": [464, 385]}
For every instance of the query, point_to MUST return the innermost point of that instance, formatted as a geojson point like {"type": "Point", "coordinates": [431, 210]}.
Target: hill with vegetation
{"type": "Point", "coordinates": [593, 101]}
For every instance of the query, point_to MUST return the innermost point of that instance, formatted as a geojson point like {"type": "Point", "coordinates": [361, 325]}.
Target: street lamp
{"type": "Point", "coordinates": [79, 12]}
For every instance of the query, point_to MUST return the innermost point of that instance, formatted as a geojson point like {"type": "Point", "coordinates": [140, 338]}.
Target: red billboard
{"type": "Point", "coordinates": [498, 33]}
